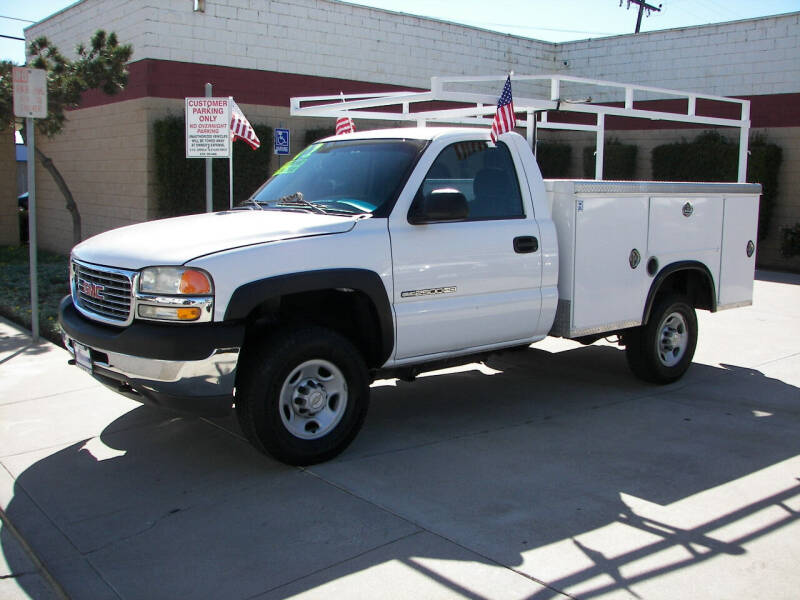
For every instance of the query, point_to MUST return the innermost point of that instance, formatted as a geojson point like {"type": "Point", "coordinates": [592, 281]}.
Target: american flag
{"type": "Point", "coordinates": [241, 128]}
{"type": "Point", "coordinates": [504, 119]}
{"type": "Point", "coordinates": [345, 125]}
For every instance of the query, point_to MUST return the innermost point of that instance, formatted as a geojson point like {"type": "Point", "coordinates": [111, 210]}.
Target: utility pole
{"type": "Point", "coordinates": [643, 6]}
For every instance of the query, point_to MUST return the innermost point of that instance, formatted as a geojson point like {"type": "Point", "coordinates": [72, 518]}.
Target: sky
{"type": "Point", "coordinates": [550, 20]}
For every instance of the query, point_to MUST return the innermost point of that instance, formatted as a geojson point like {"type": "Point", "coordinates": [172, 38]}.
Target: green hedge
{"type": "Point", "coordinates": [619, 161]}
{"type": "Point", "coordinates": [711, 157]}
{"type": "Point", "coordinates": [181, 182]}
{"type": "Point", "coordinates": [312, 135]}
{"type": "Point", "coordinates": [554, 159]}
{"type": "Point", "coordinates": [790, 245]}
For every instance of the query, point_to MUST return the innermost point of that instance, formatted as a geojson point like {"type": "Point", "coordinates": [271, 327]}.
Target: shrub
{"type": "Point", "coordinates": [790, 245]}
{"type": "Point", "coordinates": [619, 161]}
{"type": "Point", "coordinates": [312, 135]}
{"type": "Point", "coordinates": [554, 159]}
{"type": "Point", "coordinates": [711, 157]}
{"type": "Point", "coordinates": [180, 181]}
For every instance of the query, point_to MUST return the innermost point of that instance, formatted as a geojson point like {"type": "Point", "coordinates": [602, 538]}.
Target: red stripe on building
{"type": "Point", "coordinates": [171, 79]}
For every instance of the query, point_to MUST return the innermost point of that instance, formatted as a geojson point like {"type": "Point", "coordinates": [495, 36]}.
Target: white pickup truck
{"type": "Point", "coordinates": [385, 253]}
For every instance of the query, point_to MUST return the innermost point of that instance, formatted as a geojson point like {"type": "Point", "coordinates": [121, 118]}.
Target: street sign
{"type": "Point", "coordinates": [281, 141]}
{"type": "Point", "coordinates": [30, 92]}
{"type": "Point", "coordinates": [208, 127]}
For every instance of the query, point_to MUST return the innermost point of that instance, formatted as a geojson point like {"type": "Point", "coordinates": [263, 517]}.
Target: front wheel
{"type": "Point", "coordinates": [662, 350]}
{"type": "Point", "coordinates": [304, 396]}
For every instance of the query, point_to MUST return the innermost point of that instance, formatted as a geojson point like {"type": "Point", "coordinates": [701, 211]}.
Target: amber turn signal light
{"type": "Point", "coordinates": [188, 314]}
{"type": "Point", "coordinates": [194, 282]}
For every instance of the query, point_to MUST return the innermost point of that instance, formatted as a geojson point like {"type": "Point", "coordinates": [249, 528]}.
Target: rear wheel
{"type": "Point", "coordinates": [304, 396]}
{"type": "Point", "coordinates": [662, 350]}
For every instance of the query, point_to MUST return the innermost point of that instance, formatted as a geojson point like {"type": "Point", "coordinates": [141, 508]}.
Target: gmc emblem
{"type": "Point", "coordinates": [90, 289]}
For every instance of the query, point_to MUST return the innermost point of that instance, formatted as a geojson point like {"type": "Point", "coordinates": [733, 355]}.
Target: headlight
{"type": "Point", "coordinates": [174, 280]}
{"type": "Point", "coordinates": [174, 294]}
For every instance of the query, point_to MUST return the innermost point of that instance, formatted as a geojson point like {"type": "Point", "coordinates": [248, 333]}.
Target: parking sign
{"type": "Point", "coordinates": [281, 141]}
{"type": "Point", "coordinates": [30, 92]}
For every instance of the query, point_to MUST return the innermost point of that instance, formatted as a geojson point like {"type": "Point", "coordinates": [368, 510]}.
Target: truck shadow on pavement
{"type": "Point", "coordinates": [551, 472]}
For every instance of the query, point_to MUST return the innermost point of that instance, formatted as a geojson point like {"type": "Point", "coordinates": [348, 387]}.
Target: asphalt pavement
{"type": "Point", "coordinates": [549, 472]}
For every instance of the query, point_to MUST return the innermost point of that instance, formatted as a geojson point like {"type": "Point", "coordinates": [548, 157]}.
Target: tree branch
{"type": "Point", "coordinates": [48, 164]}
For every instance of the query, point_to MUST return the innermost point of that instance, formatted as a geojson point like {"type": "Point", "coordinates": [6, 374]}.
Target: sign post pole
{"type": "Point", "coordinates": [30, 102]}
{"type": "Point", "coordinates": [209, 168]}
{"type": "Point", "coordinates": [230, 178]}
{"type": "Point", "coordinates": [32, 243]}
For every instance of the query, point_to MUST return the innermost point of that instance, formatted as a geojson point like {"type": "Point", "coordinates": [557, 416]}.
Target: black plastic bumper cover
{"type": "Point", "coordinates": [159, 341]}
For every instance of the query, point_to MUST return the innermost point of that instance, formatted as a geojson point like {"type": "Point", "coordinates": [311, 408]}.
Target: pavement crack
{"type": "Point", "coordinates": [54, 395]}
{"type": "Point", "coordinates": [335, 564]}
{"type": "Point", "coordinates": [523, 423]}
{"type": "Point", "coordinates": [150, 526]}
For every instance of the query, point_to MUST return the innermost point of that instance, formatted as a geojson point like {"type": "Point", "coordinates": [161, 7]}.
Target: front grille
{"type": "Point", "coordinates": [101, 293]}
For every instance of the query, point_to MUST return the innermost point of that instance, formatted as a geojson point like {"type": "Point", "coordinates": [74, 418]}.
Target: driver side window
{"type": "Point", "coordinates": [484, 173]}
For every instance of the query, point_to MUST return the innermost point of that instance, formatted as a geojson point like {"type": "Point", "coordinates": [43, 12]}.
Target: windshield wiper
{"type": "Point", "coordinates": [296, 200]}
{"type": "Point", "coordinates": [246, 204]}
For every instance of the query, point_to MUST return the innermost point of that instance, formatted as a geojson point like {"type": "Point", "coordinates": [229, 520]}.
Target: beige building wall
{"type": "Point", "coordinates": [9, 228]}
{"type": "Point", "coordinates": [102, 154]}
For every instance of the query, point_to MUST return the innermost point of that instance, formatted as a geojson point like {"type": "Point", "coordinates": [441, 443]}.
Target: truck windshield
{"type": "Point", "coordinates": [343, 177]}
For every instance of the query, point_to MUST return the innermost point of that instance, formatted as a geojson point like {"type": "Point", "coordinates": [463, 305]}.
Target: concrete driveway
{"type": "Point", "coordinates": [545, 473]}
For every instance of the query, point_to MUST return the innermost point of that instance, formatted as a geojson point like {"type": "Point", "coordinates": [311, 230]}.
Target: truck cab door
{"type": "Point", "coordinates": [471, 280]}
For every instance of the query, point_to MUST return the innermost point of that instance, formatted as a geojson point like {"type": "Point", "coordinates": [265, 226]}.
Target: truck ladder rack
{"type": "Point", "coordinates": [478, 109]}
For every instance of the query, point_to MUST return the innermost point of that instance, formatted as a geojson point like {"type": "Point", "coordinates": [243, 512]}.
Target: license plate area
{"type": "Point", "coordinates": [83, 356]}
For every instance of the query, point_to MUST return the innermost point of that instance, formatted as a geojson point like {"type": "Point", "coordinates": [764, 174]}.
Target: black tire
{"type": "Point", "coordinates": [296, 373]}
{"type": "Point", "coordinates": [662, 350]}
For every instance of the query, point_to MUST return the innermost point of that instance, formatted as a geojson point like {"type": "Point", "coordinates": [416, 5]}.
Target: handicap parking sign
{"type": "Point", "coordinates": [281, 141]}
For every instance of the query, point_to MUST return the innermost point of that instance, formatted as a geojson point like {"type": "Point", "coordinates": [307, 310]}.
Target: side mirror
{"type": "Point", "coordinates": [440, 206]}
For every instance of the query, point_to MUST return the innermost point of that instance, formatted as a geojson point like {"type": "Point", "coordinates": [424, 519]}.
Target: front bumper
{"type": "Point", "coordinates": [185, 367]}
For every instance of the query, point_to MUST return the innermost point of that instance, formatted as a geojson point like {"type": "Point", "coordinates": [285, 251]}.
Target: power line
{"type": "Point", "coordinates": [16, 19]}
{"type": "Point", "coordinates": [554, 29]}
{"type": "Point", "coordinates": [720, 6]}
{"type": "Point", "coordinates": [12, 37]}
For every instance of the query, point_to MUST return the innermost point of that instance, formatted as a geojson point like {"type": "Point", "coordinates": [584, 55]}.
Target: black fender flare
{"type": "Point", "coordinates": [250, 295]}
{"type": "Point", "coordinates": [669, 270]}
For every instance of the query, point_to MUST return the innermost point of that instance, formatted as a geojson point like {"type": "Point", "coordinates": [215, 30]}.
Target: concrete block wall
{"type": "Point", "coordinates": [753, 57]}
{"type": "Point", "coordinates": [78, 22]}
{"type": "Point", "coordinates": [103, 155]}
{"type": "Point", "coordinates": [311, 37]}
{"type": "Point", "coordinates": [334, 39]}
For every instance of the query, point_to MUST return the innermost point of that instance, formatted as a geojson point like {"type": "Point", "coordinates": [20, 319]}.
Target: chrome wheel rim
{"type": "Point", "coordinates": [673, 339]}
{"type": "Point", "coordinates": [313, 399]}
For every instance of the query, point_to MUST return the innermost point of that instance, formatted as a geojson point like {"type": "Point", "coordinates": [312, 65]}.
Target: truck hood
{"type": "Point", "coordinates": [178, 240]}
